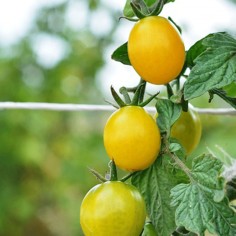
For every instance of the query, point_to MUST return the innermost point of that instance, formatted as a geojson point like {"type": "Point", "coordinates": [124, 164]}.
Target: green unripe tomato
{"type": "Point", "coordinates": [187, 130]}
{"type": "Point", "coordinates": [113, 208]}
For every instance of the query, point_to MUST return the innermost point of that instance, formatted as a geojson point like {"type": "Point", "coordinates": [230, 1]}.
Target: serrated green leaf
{"type": "Point", "coordinates": [206, 171]}
{"type": "Point", "coordinates": [121, 54]}
{"type": "Point", "coordinates": [222, 94]}
{"type": "Point", "coordinates": [214, 68]}
{"type": "Point", "coordinates": [168, 113]}
{"type": "Point", "coordinates": [199, 204]}
{"type": "Point", "coordinates": [155, 184]}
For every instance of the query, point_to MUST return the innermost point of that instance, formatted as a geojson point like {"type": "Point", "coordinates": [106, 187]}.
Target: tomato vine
{"type": "Point", "coordinates": [181, 198]}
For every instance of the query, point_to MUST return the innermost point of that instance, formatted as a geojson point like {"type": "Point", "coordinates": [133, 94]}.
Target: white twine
{"type": "Point", "coordinates": [94, 107]}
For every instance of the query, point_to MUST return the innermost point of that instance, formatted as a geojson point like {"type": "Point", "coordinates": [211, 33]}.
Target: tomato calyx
{"type": "Point", "coordinates": [141, 9]}
{"type": "Point", "coordinates": [137, 99]}
{"type": "Point", "coordinates": [112, 175]}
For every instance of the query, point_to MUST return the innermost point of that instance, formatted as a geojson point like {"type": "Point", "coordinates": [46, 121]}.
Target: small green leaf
{"type": "Point", "coordinates": [214, 68]}
{"type": "Point", "coordinates": [174, 147]}
{"type": "Point", "coordinates": [201, 204]}
{"type": "Point", "coordinates": [121, 54]}
{"type": "Point", "coordinates": [155, 184]}
{"type": "Point", "coordinates": [128, 11]}
{"type": "Point", "coordinates": [168, 113]}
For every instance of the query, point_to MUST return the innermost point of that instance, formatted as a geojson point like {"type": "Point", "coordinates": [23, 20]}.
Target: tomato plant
{"type": "Point", "coordinates": [180, 198]}
{"type": "Point", "coordinates": [113, 208]}
{"type": "Point", "coordinates": [132, 138]}
{"type": "Point", "coordinates": [187, 129]}
{"type": "Point", "coordinates": [156, 50]}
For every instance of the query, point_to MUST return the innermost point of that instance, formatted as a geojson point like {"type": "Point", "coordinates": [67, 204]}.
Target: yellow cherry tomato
{"type": "Point", "coordinates": [188, 129]}
{"type": "Point", "coordinates": [132, 138]}
{"type": "Point", "coordinates": [156, 50]}
{"type": "Point", "coordinates": [113, 208]}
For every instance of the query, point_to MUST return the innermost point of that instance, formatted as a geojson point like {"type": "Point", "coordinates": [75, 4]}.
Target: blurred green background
{"type": "Point", "coordinates": [45, 155]}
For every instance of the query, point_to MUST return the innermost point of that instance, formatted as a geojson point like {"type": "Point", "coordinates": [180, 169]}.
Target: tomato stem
{"type": "Point", "coordinates": [113, 171]}
{"type": "Point", "coordinates": [169, 90]}
{"type": "Point", "coordinates": [148, 100]}
{"type": "Point", "coordinates": [124, 92]}
{"type": "Point", "coordinates": [176, 159]}
{"type": "Point", "coordinates": [127, 177]}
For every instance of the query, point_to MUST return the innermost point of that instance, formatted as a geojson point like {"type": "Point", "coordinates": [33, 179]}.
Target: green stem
{"type": "Point", "coordinates": [139, 93]}
{"type": "Point", "coordinates": [113, 171]}
{"type": "Point", "coordinates": [169, 91]}
{"type": "Point", "coordinates": [176, 159]}
{"type": "Point", "coordinates": [97, 175]}
{"type": "Point", "coordinates": [127, 177]}
{"type": "Point", "coordinates": [186, 170]}
{"type": "Point", "coordinates": [124, 92]}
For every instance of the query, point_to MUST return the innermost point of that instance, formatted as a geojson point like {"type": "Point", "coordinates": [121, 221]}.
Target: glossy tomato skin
{"type": "Point", "coordinates": [187, 130]}
{"type": "Point", "coordinates": [113, 208]}
{"type": "Point", "coordinates": [132, 138]}
{"type": "Point", "coordinates": [156, 50]}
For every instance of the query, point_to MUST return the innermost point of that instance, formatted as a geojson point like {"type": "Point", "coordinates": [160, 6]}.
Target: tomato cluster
{"type": "Point", "coordinates": [132, 137]}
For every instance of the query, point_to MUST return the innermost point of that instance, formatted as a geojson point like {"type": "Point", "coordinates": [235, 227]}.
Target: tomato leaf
{"type": "Point", "coordinates": [197, 49]}
{"type": "Point", "coordinates": [121, 54]}
{"type": "Point", "coordinates": [222, 94]}
{"type": "Point", "coordinates": [128, 11]}
{"type": "Point", "coordinates": [168, 113]}
{"type": "Point", "coordinates": [201, 204]}
{"type": "Point", "coordinates": [174, 147]}
{"type": "Point", "coordinates": [214, 68]}
{"type": "Point", "coordinates": [155, 184]}
{"type": "Point", "coordinates": [231, 89]}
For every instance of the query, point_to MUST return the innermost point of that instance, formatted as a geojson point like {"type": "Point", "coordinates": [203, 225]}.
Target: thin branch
{"type": "Point", "coordinates": [93, 107]}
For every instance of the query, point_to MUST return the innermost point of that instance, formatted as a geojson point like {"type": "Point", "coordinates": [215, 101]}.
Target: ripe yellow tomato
{"type": "Point", "coordinates": [113, 208]}
{"type": "Point", "coordinates": [187, 130]}
{"type": "Point", "coordinates": [132, 138]}
{"type": "Point", "coordinates": [156, 50]}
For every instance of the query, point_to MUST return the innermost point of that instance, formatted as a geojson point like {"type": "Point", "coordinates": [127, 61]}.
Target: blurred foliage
{"type": "Point", "coordinates": [44, 155]}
